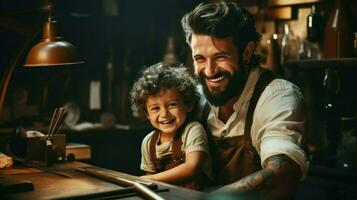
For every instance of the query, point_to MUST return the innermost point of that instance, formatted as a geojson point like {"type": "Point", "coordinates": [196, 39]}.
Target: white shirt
{"type": "Point", "coordinates": [278, 121]}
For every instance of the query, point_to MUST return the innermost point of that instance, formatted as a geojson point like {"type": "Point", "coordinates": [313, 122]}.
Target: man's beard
{"type": "Point", "coordinates": [234, 87]}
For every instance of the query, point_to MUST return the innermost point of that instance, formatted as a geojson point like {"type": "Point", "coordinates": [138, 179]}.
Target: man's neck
{"type": "Point", "coordinates": [226, 110]}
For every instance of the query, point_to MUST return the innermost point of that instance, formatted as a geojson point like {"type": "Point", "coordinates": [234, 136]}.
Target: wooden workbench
{"type": "Point", "coordinates": [63, 181]}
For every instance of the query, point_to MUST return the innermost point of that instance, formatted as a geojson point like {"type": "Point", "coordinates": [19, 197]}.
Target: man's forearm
{"type": "Point", "coordinates": [250, 182]}
{"type": "Point", "coordinates": [277, 179]}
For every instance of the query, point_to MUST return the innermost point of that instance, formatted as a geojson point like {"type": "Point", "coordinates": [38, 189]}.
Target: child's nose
{"type": "Point", "coordinates": [164, 112]}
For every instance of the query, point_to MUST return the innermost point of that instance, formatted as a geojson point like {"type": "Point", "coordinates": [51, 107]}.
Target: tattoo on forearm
{"type": "Point", "coordinates": [281, 163]}
{"type": "Point", "coordinates": [253, 181]}
{"type": "Point", "coordinates": [275, 168]}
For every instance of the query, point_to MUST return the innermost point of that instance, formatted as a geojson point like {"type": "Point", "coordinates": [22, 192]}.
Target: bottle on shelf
{"type": "Point", "coordinates": [309, 50]}
{"type": "Point", "coordinates": [268, 48]}
{"type": "Point", "coordinates": [289, 45]}
{"type": "Point", "coordinates": [338, 38]}
{"type": "Point", "coordinates": [310, 47]}
{"type": "Point", "coordinates": [314, 26]}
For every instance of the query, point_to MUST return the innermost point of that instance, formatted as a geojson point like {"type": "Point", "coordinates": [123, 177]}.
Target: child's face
{"type": "Point", "coordinates": [167, 111]}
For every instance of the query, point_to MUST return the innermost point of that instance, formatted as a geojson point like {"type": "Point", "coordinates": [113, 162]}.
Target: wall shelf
{"type": "Point", "coordinates": [338, 63]}
{"type": "Point", "coordinates": [293, 2]}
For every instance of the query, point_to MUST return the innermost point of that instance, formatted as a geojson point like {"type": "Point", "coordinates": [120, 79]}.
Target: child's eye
{"type": "Point", "coordinates": [154, 109]}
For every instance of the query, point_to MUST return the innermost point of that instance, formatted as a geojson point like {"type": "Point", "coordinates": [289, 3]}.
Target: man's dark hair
{"type": "Point", "coordinates": [221, 20]}
{"type": "Point", "coordinates": [162, 76]}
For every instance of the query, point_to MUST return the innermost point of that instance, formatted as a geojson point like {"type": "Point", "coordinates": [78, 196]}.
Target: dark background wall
{"type": "Point", "coordinates": [136, 32]}
{"type": "Point", "coordinates": [131, 34]}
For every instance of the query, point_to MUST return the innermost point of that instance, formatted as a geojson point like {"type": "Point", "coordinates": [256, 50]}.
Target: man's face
{"type": "Point", "coordinates": [217, 65]}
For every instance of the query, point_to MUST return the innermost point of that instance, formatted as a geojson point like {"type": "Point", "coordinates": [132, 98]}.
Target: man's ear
{"type": "Point", "coordinates": [248, 52]}
{"type": "Point", "coordinates": [189, 108]}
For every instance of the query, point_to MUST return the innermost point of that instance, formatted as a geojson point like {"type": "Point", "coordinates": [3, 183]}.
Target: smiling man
{"type": "Point", "coordinates": [255, 120]}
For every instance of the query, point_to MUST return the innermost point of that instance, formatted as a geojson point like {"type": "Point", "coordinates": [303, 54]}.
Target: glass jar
{"type": "Point", "coordinates": [290, 45]}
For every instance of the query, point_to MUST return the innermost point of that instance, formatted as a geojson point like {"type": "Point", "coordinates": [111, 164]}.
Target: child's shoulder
{"type": "Point", "coordinates": [194, 134]}
{"type": "Point", "coordinates": [194, 126]}
{"type": "Point", "coordinates": [148, 137]}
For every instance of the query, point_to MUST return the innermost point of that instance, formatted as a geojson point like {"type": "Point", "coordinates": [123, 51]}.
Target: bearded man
{"type": "Point", "coordinates": [255, 120]}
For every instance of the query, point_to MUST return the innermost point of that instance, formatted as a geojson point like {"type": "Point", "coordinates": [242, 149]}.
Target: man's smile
{"type": "Point", "coordinates": [217, 79]}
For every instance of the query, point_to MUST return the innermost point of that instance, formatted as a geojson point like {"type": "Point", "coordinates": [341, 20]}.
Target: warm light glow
{"type": "Point", "coordinates": [275, 36]}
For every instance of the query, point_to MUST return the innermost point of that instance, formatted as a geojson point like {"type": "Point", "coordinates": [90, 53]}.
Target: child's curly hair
{"type": "Point", "coordinates": [164, 76]}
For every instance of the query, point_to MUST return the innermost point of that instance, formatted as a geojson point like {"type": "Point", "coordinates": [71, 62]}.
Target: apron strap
{"type": "Point", "coordinates": [265, 77]}
{"type": "Point", "coordinates": [177, 154]}
{"type": "Point", "coordinates": [205, 113]}
{"type": "Point", "coordinates": [176, 149]}
{"type": "Point", "coordinates": [152, 146]}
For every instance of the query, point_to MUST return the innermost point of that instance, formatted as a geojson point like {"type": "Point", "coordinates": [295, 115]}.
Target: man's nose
{"type": "Point", "coordinates": [210, 69]}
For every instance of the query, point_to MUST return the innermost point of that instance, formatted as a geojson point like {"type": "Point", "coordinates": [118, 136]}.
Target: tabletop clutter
{"type": "Point", "coordinates": [35, 147]}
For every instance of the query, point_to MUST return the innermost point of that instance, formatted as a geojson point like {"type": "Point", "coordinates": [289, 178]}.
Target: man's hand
{"type": "Point", "coordinates": [278, 179]}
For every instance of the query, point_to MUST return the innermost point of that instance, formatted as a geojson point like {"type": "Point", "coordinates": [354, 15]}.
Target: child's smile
{"type": "Point", "coordinates": [167, 122]}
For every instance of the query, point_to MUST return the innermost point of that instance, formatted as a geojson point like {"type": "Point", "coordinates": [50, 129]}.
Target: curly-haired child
{"type": "Point", "coordinates": [176, 151]}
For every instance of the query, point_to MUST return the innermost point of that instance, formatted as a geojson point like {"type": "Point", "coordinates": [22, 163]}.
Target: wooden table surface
{"type": "Point", "coordinates": [63, 181]}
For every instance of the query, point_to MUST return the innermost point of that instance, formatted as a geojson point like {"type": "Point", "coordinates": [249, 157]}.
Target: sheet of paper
{"type": "Point", "coordinates": [94, 95]}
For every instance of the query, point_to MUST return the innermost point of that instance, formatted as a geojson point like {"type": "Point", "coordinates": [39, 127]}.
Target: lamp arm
{"type": "Point", "coordinates": [10, 68]}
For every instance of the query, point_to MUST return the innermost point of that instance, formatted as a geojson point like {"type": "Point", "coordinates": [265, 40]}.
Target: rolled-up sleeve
{"type": "Point", "coordinates": [195, 138]}
{"type": "Point", "coordinates": [146, 164]}
{"type": "Point", "coordinates": [279, 123]}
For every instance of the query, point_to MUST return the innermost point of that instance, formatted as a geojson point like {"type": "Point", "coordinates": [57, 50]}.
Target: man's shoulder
{"type": "Point", "coordinates": [280, 84]}
{"type": "Point", "coordinates": [281, 95]}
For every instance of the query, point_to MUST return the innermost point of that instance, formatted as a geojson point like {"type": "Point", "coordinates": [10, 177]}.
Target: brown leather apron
{"type": "Point", "coordinates": [172, 160]}
{"type": "Point", "coordinates": [235, 157]}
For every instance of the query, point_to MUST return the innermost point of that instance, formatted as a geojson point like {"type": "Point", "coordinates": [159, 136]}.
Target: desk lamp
{"type": "Point", "coordinates": [52, 51]}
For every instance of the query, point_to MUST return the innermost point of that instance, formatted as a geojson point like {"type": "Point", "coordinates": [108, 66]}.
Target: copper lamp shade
{"type": "Point", "coordinates": [52, 50]}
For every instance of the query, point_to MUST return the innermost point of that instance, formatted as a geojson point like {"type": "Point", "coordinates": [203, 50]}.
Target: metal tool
{"type": "Point", "coordinates": [140, 186]}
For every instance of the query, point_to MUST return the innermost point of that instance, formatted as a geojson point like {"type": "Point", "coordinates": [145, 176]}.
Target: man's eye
{"type": "Point", "coordinates": [172, 105]}
{"type": "Point", "coordinates": [199, 60]}
{"type": "Point", "coordinates": [221, 57]}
